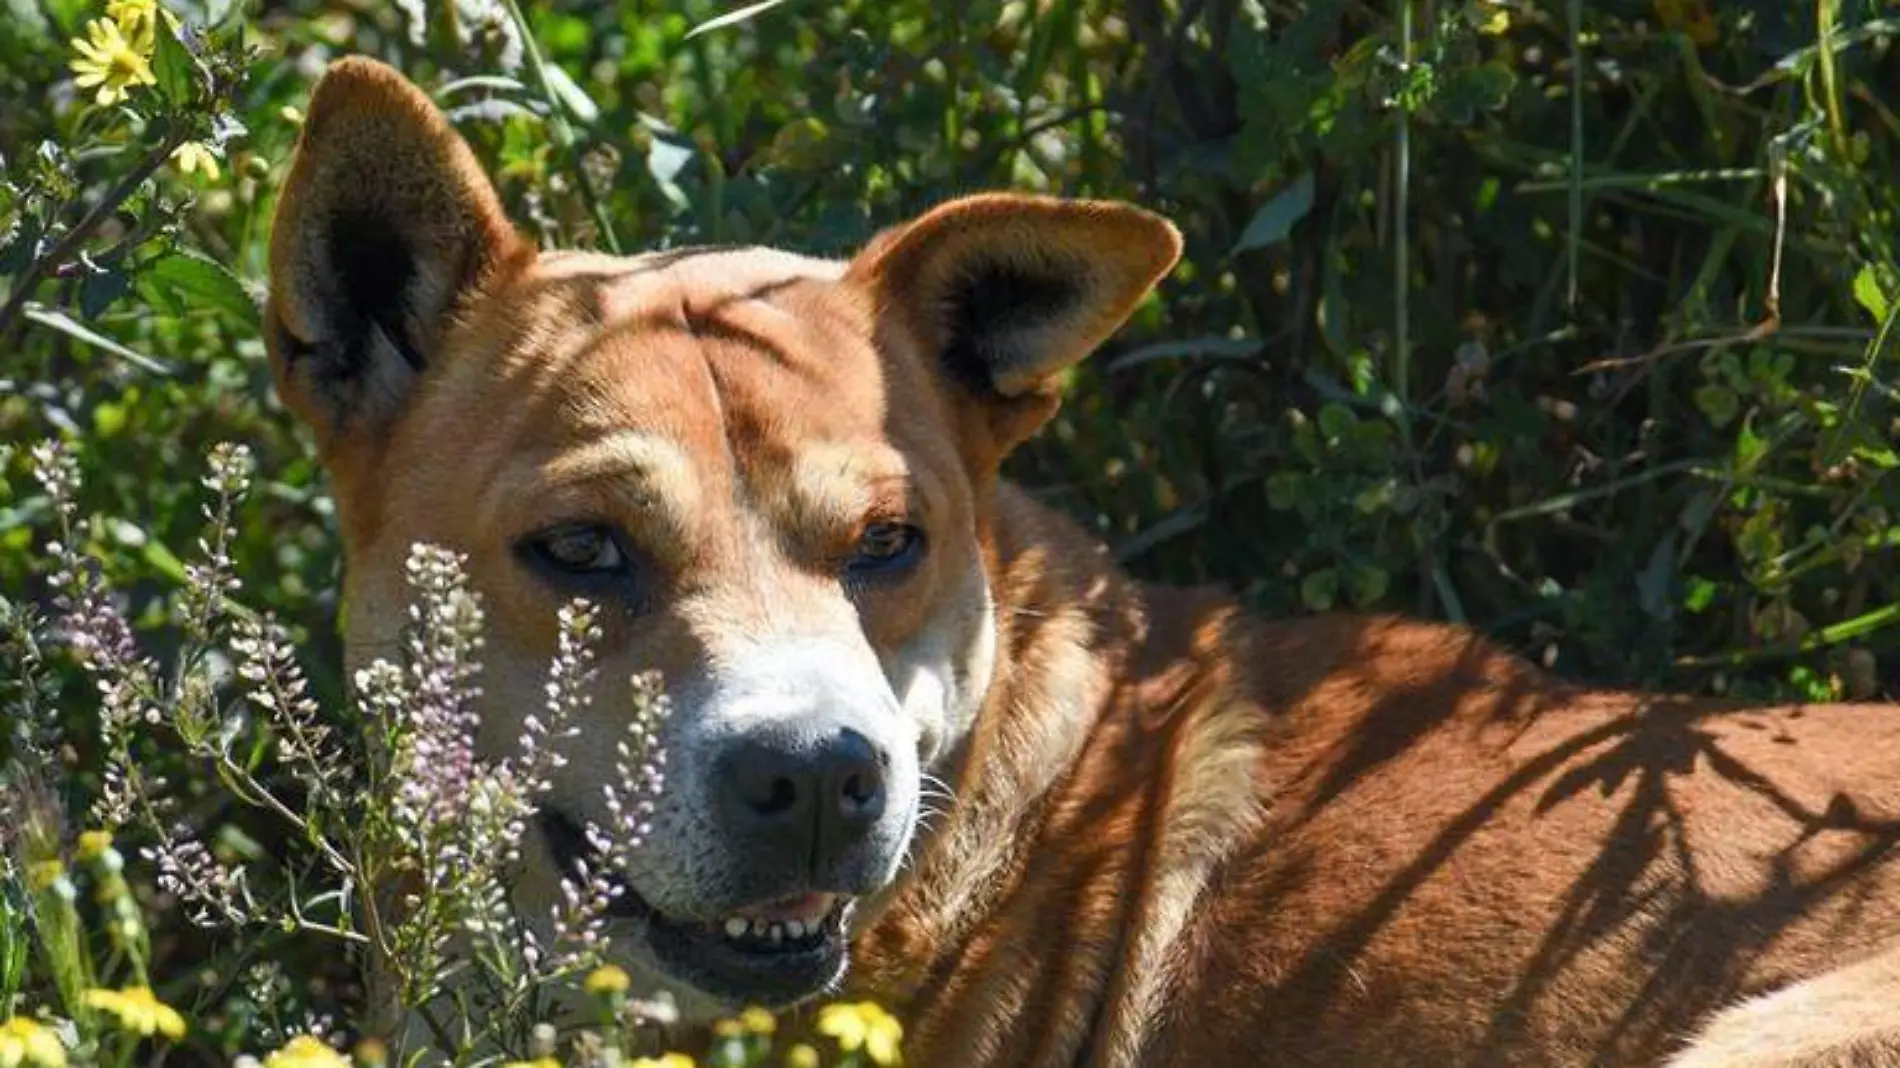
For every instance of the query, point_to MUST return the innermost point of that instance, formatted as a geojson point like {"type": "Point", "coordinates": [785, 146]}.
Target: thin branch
{"type": "Point", "coordinates": [75, 237]}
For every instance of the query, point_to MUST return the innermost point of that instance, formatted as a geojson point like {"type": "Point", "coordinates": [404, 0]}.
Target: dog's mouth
{"type": "Point", "coordinates": [774, 953]}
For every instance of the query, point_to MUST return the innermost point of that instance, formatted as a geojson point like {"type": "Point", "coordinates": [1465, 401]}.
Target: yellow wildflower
{"type": "Point", "coordinates": [194, 157]}
{"type": "Point", "coordinates": [138, 20]}
{"type": "Point", "coordinates": [138, 1010]}
{"type": "Point", "coordinates": [306, 1051]}
{"type": "Point", "coordinates": [665, 1060]}
{"type": "Point", "coordinates": [538, 1062]}
{"type": "Point", "coordinates": [608, 979]}
{"type": "Point", "coordinates": [93, 844]}
{"type": "Point", "coordinates": [370, 1052]}
{"type": "Point", "coordinates": [109, 62]}
{"type": "Point", "coordinates": [43, 874]}
{"type": "Point", "coordinates": [30, 1043]}
{"type": "Point", "coordinates": [758, 1021]}
{"type": "Point", "coordinates": [863, 1025]}
{"type": "Point", "coordinates": [801, 1056]}
{"type": "Point", "coordinates": [1490, 17]}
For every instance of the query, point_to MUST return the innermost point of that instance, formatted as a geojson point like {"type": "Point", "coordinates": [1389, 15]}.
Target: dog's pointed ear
{"type": "Point", "coordinates": [386, 225]}
{"type": "Point", "coordinates": [1006, 290]}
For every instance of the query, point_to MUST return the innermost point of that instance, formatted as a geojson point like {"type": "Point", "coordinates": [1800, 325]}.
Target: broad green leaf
{"type": "Point", "coordinates": [173, 66]}
{"type": "Point", "coordinates": [1868, 291]}
{"type": "Point", "coordinates": [1718, 403]}
{"type": "Point", "coordinates": [1369, 583]}
{"type": "Point", "coordinates": [194, 281]}
{"type": "Point", "coordinates": [1276, 217]}
{"type": "Point", "coordinates": [100, 290]}
{"type": "Point", "coordinates": [1319, 590]}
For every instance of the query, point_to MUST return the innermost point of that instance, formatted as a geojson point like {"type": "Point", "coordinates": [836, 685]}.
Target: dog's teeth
{"type": "Point", "coordinates": [736, 927]}
{"type": "Point", "coordinates": [794, 928]}
{"type": "Point", "coordinates": [778, 933]}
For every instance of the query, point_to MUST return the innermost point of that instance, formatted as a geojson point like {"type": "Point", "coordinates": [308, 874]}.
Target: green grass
{"type": "Point", "coordinates": [1569, 321]}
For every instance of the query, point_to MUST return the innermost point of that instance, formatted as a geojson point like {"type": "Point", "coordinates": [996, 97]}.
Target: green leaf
{"type": "Point", "coordinates": [100, 290]}
{"type": "Point", "coordinates": [1284, 489]}
{"type": "Point", "coordinates": [1227, 349]}
{"type": "Point", "coordinates": [19, 252]}
{"type": "Point", "coordinates": [1369, 583]}
{"type": "Point", "coordinates": [1718, 403]}
{"type": "Point", "coordinates": [1336, 420]}
{"type": "Point", "coordinates": [573, 97]}
{"type": "Point", "coordinates": [733, 18]}
{"type": "Point", "coordinates": [65, 324]}
{"type": "Point", "coordinates": [1320, 590]}
{"type": "Point", "coordinates": [173, 66]}
{"type": "Point", "coordinates": [1276, 218]}
{"type": "Point", "coordinates": [1868, 291]}
{"type": "Point", "coordinates": [191, 280]}
{"type": "Point", "coordinates": [1698, 593]}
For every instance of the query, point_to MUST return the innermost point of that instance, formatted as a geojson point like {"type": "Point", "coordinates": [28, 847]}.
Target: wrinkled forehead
{"type": "Point", "coordinates": [686, 368]}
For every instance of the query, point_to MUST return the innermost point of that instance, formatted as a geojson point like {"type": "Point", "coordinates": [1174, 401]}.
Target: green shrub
{"type": "Point", "coordinates": [1568, 321]}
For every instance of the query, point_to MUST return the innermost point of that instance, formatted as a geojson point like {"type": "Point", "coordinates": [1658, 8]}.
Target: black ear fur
{"type": "Point", "coordinates": [994, 306]}
{"type": "Point", "coordinates": [1008, 290]}
{"type": "Point", "coordinates": [386, 226]}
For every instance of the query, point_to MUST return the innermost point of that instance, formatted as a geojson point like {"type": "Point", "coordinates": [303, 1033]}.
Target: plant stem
{"type": "Point", "coordinates": [1574, 240]}
{"type": "Point", "coordinates": [69, 244]}
{"type": "Point", "coordinates": [563, 132]}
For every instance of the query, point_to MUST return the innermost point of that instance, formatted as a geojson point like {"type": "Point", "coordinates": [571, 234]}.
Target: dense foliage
{"type": "Point", "coordinates": [1570, 321]}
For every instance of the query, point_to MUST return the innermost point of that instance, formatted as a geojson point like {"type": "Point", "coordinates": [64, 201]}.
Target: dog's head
{"type": "Point", "coordinates": [771, 473]}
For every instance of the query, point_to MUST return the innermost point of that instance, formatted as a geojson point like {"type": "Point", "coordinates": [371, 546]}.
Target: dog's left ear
{"type": "Point", "coordinates": [1006, 290]}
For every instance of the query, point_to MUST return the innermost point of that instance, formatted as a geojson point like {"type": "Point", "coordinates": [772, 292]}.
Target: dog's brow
{"type": "Point", "coordinates": [621, 454]}
{"type": "Point", "coordinates": [839, 486]}
{"type": "Point", "coordinates": [653, 468]}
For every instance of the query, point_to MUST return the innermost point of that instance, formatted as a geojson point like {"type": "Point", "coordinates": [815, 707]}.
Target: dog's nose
{"type": "Point", "coordinates": [814, 800]}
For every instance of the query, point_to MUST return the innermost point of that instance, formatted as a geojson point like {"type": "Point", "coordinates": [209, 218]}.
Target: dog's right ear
{"type": "Point", "coordinates": [386, 225]}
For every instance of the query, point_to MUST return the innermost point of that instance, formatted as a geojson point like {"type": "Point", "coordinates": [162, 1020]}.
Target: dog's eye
{"type": "Point", "coordinates": [886, 547]}
{"type": "Point", "coordinates": [579, 549]}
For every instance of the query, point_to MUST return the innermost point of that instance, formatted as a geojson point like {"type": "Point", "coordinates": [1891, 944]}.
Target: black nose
{"type": "Point", "coordinates": [810, 799]}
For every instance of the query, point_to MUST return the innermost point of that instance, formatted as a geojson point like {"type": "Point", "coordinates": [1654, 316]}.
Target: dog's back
{"type": "Point", "coordinates": [1370, 841]}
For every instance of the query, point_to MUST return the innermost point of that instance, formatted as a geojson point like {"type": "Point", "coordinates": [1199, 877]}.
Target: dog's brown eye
{"type": "Point", "coordinates": [579, 549]}
{"type": "Point", "coordinates": [885, 548]}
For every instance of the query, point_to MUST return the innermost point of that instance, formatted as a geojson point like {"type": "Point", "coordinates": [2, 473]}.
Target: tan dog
{"type": "Point", "coordinates": [1178, 836]}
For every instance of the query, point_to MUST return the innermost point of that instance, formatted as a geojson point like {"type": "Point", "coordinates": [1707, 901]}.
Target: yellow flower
{"type": "Point", "coordinates": [306, 1051]}
{"type": "Point", "coordinates": [758, 1021]}
{"type": "Point", "coordinates": [801, 1056]}
{"type": "Point", "coordinates": [109, 62]}
{"type": "Point", "coordinates": [608, 979]}
{"type": "Point", "coordinates": [44, 874]}
{"type": "Point", "coordinates": [31, 1043]}
{"type": "Point", "coordinates": [664, 1060]}
{"type": "Point", "coordinates": [370, 1052]}
{"type": "Point", "coordinates": [138, 1011]}
{"type": "Point", "coordinates": [136, 19]}
{"type": "Point", "coordinates": [1491, 18]}
{"type": "Point", "coordinates": [538, 1062]}
{"type": "Point", "coordinates": [194, 157]}
{"type": "Point", "coordinates": [93, 844]}
{"type": "Point", "coordinates": [863, 1025]}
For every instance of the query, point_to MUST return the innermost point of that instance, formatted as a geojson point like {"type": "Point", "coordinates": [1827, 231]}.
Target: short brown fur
{"type": "Point", "coordinates": [1181, 836]}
